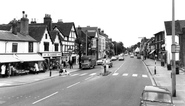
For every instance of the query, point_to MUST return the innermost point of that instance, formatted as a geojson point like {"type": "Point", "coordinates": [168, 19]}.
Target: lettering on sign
{"type": "Point", "coordinates": [51, 54]}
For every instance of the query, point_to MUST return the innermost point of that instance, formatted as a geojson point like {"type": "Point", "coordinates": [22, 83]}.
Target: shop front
{"type": "Point", "coordinates": [52, 59]}
{"type": "Point", "coordinates": [18, 64]}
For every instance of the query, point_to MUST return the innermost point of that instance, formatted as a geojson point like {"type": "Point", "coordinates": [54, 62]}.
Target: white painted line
{"type": "Point", "coordinates": [88, 78]}
{"type": "Point", "coordinates": [74, 74]}
{"type": "Point", "coordinates": [114, 74]}
{"type": "Point", "coordinates": [118, 68]}
{"type": "Point", "coordinates": [134, 75]}
{"type": "Point", "coordinates": [125, 74]}
{"type": "Point", "coordinates": [83, 74]}
{"type": "Point", "coordinates": [92, 74]}
{"type": "Point", "coordinates": [73, 85]}
{"type": "Point", "coordinates": [145, 76]}
{"type": "Point", "coordinates": [44, 98]}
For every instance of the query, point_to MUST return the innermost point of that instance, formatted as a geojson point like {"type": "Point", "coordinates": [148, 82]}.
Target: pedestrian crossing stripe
{"type": "Point", "coordinates": [83, 74]}
{"type": "Point", "coordinates": [144, 76]}
{"type": "Point", "coordinates": [74, 74]}
{"type": "Point", "coordinates": [126, 74]}
{"type": "Point", "coordinates": [134, 75]}
{"type": "Point", "coordinates": [92, 74]}
{"type": "Point", "coordinates": [115, 74]}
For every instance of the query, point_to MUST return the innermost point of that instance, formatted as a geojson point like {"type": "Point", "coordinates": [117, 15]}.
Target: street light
{"type": "Point", "coordinates": [173, 53]}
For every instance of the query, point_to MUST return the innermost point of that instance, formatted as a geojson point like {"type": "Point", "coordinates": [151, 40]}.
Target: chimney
{"type": "Point", "coordinates": [24, 24]}
{"type": "Point", "coordinates": [14, 26]}
{"type": "Point", "coordinates": [99, 30]}
{"type": "Point", "coordinates": [60, 21]}
{"type": "Point", "coordinates": [48, 21]}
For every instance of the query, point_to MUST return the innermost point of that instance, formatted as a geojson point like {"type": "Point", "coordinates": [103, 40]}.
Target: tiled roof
{"type": "Point", "coordinates": [64, 28]}
{"type": "Point", "coordinates": [6, 27]}
{"type": "Point", "coordinates": [9, 36]}
{"type": "Point", "coordinates": [37, 31]}
{"type": "Point", "coordinates": [179, 24]}
{"type": "Point", "coordinates": [53, 35]}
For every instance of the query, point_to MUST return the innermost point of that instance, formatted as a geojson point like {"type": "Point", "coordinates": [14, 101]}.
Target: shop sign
{"type": "Point", "coordinates": [51, 54]}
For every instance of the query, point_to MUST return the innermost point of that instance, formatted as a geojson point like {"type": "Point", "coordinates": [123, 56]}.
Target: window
{"type": "Point", "coordinates": [14, 47]}
{"type": "Point", "coordinates": [46, 46]}
{"type": "Point", "coordinates": [30, 47]}
{"type": "Point", "coordinates": [56, 46]}
{"type": "Point", "coordinates": [46, 36]}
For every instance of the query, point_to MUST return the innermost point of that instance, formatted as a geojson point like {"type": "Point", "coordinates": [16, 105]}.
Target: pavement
{"type": "Point", "coordinates": [30, 78]}
{"type": "Point", "coordinates": [163, 78]}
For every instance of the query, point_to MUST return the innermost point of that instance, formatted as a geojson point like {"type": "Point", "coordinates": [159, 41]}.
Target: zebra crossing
{"type": "Point", "coordinates": [112, 74]}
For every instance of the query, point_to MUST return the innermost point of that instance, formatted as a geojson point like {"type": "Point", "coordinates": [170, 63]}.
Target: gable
{"type": "Point", "coordinates": [46, 37]}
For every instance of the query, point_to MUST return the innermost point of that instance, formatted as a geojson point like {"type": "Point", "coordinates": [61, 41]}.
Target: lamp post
{"type": "Point", "coordinates": [173, 53]}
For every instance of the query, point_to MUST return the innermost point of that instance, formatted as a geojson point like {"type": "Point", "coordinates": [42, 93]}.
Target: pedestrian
{"type": "Point", "coordinates": [70, 64]}
{"type": "Point", "coordinates": [3, 69]}
{"type": "Point", "coordinates": [36, 68]}
{"type": "Point", "coordinates": [60, 69]}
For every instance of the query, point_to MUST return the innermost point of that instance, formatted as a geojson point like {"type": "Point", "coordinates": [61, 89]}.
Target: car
{"type": "Point", "coordinates": [109, 62]}
{"type": "Point", "coordinates": [131, 56]}
{"type": "Point", "coordinates": [113, 58]}
{"type": "Point", "coordinates": [156, 96]}
{"type": "Point", "coordinates": [138, 56]}
{"type": "Point", "coordinates": [99, 62]}
{"type": "Point", "coordinates": [120, 58]}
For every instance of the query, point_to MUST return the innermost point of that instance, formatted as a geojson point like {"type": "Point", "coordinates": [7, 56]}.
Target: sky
{"type": "Point", "coordinates": [124, 21]}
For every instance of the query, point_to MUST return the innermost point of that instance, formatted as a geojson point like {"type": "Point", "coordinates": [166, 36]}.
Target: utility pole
{"type": "Point", "coordinates": [173, 53]}
{"type": "Point", "coordinates": [86, 42]}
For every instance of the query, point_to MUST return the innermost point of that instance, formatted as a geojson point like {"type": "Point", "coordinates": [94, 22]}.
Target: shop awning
{"type": "Point", "coordinates": [30, 57]}
{"type": "Point", "coordinates": [152, 51]}
{"type": "Point", "coordinates": [8, 59]}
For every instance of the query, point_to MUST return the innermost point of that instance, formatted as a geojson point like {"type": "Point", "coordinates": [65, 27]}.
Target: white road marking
{"type": "Point", "coordinates": [145, 76]}
{"type": "Point", "coordinates": [134, 75]}
{"type": "Point", "coordinates": [88, 78]}
{"type": "Point", "coordinates": [1, 102]}
{"type": "Point", "coordinates": [118, 68]}
{"type": "Point", "coordinates": [74, 74]}
{"type": "Point", "coordinates": [125, 74]}
{"type": "Point", "coordinates": [73, 85]}
{"type": "Point", "coordinates": [92, 74]}
{"type": "Point", "coordinates": [44, 98]}
{"type": "Point", "coordinates": [83, 74]}
{"type": "Point", "coordinates": [114, 74]}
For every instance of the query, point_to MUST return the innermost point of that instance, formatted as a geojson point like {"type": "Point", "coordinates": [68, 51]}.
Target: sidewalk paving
{"type": "Point", "coordinates": [163, 78]}
{"type": "Point", "coordinates": [30, 78]}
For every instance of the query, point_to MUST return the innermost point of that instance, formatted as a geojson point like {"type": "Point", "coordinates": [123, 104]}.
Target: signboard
{"type": "Point", "coordinates": [51, 54]}
{"type": "Point", "coordinates": [175, 48]}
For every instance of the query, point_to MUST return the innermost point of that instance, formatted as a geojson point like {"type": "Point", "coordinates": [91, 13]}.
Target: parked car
{"type": "Point", "coordinates": [156, 96]}
{"type": "Point", "coordinates": [99, 62]}
{"type": "Point", "coordinates": [109, 62]}
{"type": "Point", "coordinates": [113, 58]}
{"type": "Point", "coordinates": [121, 58]}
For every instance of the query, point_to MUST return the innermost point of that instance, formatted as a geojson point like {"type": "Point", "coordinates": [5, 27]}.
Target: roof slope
{"type": "Point", "coordinates": [9, 36]}
{"type": "Point", "coordinates": [64, 28]}
{"type": "Point", "coordinates": [179, 24]}
{"type": "Point", "coordinates": [37, 31]}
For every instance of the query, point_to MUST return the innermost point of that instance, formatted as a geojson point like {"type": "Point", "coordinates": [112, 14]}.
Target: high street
{"type": "Point", "coordinates": [123, 86]}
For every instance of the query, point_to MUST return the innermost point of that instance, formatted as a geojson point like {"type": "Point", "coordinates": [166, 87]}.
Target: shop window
{"type": "Point", "coordinates": [46, 46]}
{"type": "Point", "coordinates": [14, 47]}
{"type": "Point", "coordinates": [30, 47]}
{"type": "Point", "coordinates": [56, 46]}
